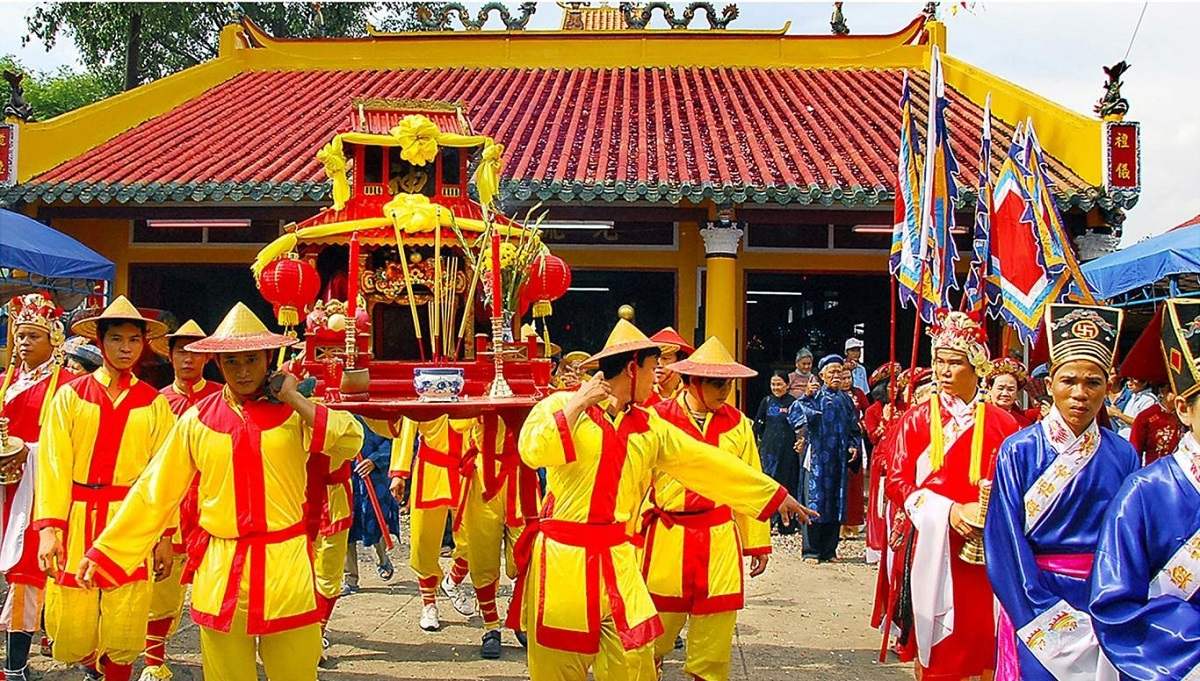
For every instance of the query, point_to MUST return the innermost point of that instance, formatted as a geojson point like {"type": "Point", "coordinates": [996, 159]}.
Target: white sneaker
{"type": "Point", "coordinates": [156, 673]}
{"type": "Point", "coordinates": [463, 602]}
{"type": "Point", "coordinates": [429, 618]}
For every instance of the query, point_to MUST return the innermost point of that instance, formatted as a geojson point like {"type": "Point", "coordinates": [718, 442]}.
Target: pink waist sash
{"type": "Point", "coordinates": [1077, 565]}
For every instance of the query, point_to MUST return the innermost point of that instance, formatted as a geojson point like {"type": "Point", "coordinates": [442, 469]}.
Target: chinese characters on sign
{"type": "Point", "coordinates": [8, 154]}
{"type": "Point", "coordinates": [1123, 169]}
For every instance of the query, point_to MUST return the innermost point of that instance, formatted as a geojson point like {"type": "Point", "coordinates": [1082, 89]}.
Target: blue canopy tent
{"type": "Point", "coordinates": [1150, 270]}
{"type": "Point", "coordinates": [36, 257]}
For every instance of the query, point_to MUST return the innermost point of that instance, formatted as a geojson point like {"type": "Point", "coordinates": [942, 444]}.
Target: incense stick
{"type": "Point", "coordinates": [412, 302]}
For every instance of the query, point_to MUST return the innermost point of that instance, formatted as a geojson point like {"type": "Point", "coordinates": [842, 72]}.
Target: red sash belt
{"type": "Point", "coordinates": [435, 458]}
{"type": "Point", "coordinates": [695, 520]}
{"type": "Point", "coordinates": [198, 544]}
{"type": "Point", "coordinates": [592, 537]}
{"type": "Point", "coordinates": [341, 476]}
{"type": "Point", "coordinates": [96, 499]}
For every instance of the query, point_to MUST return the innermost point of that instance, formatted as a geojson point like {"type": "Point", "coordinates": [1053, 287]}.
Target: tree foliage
{"type": "Point", "coordinates": [51, 93]}
{"type": "Point", "coordinates": [132, 43]}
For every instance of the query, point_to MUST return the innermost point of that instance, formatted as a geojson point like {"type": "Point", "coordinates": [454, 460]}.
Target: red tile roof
{"type": "Point", "coordinates": [731, 134]}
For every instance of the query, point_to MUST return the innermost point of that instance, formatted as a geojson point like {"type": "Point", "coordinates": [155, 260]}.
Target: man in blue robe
{"type": "Point", "coordinates": [1145, 587]}
{"type": "Point", "coordinates": [1053, 481]}
{"type": "Point", "coordinates": [832, 430]}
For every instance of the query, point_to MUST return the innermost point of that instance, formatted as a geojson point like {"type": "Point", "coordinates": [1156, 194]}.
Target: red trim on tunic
{"type": "Point", "coordinates": [614, 449]}
{"type": "Point", "coordinates": [773, 505]}
{"type": "Point", "coordinates": [564, 433]}
{"type": "Point", "coordinates": [450, 461]}
{"type": "Point", "coordinates": [320, 424]}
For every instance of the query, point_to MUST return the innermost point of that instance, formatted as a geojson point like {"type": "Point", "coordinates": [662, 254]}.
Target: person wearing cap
{"type": "Point", "coordinates": [945, 448]}
{"type": "Point", "coordinates": [100, 433]}
{"type": "Point", "coordinates": [252, 573]}
{"type": "Point", "coordinates": [81, 356]}
{"type": "Point", "coordinates": [668, 384]}
{"type": "Point", "coordinates": [853, 362]}
{"type": "Point", "coordinates": [1052, 485]}
{"type": "Point", "coordinates": [1005, 381]}
{"type": "Point", "coordinates": [856, 507]}
{"type": "Point", "coordinates": [798, 380]}
{"type": "Point", "coordinates": [832, 439]}
{"type": "Point", "coordinates": [431, 453]}
{"type": "Point", "coordinates": [580, 594]}
{"type": "Point", "coordinates": [694, 547]}
{"type": "Point", "coordinates": [167, 595]}
{"type": "Point", "coordinates": [1144, 594]}
{"type": "Point", "coordinates": [32, 379]}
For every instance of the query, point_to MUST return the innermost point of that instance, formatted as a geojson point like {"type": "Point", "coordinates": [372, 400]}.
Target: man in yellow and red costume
{"type": "Point", "coordinates": [580, 595]}
{"type": "Point", "coordinates": [252, 591]}
{"type": "Point", "coordinates": [668, 384]}
{"type": "Point", "coordinates": [167, 594]}
{"type": "Point", "coordinates": [437, 483]}
{"type": "Point", "coordinates": [331, 512]}
{"type": "Point", "coordinates": [101, 431]}
{"type": "Point", "coordinates": [694, 546]}
{"type": "Point", "coordinates": [33, 377]}
{"type": "Point", "coordinates": [944, 448]}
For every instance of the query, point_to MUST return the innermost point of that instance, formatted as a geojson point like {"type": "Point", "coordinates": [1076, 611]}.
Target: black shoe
{"type": "Point", "coordinates": [490, 649]}
{"type": "Point", "coordinates": [678, 643]}
{"type": "Point", "coordinates": [522, 638]}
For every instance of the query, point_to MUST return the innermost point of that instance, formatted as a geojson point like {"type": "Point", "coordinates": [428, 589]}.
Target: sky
{"type": "Point", "coordinates": [1056, 49]}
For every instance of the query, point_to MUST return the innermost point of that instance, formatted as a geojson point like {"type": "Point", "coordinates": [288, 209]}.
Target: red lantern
{"type": "Point", "coordinates": [549, 279]}
{"type": "Point", "coordinates": [290, 284]}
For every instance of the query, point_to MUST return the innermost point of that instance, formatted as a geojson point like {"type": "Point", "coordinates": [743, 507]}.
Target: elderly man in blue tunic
{"type": "Point", "coordinates": [1145, 590]}
{"type": "Point", "coordinates": [1052, 484]}
{"type": "Point", "coordinates": [832, 432]}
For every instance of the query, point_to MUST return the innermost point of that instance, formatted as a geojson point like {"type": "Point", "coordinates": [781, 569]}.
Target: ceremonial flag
{"type": "Point", "coordinates": [938, 195]}
{"type": "Point", "coordinates": [975, 293]}
{"type": "Point", "coordinates": [904, 263]}
{"type": "Point", "coordinates": [1019, 286]}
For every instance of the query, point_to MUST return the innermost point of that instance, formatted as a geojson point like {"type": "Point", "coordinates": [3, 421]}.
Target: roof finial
{"type": "Point", "coordinates": [436, 16]}
{"type": "Point", "coordinates": [931, 10]}
{"type": "Point", "coordinates": [1112, 104]}
{"type": "Point", "coordinates": [837, 23]}
{"type": "Point", "coordinates": [17, 107]}
{"type": "Point", "coordinates": [638, 16]}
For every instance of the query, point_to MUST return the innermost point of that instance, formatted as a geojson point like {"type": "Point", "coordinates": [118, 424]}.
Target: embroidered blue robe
{"type": "Point", "coordinates": [832, 429]}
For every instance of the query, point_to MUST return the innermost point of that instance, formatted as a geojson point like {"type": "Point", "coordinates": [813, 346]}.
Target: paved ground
{"type": "Point", "coordinates": [801, 619]}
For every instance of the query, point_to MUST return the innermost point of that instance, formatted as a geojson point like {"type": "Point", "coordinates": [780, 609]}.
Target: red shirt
{"type": "Point", "coordinates": [1155, 433]}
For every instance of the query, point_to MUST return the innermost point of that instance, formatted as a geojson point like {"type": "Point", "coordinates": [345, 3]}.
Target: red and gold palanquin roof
{"type": "Point", "coordinates": [741, 134]}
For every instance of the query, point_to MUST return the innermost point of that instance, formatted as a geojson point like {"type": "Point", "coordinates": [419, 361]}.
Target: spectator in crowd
{"type": "Point", "coordinates": [775, 436]}
{"type": "Point", "coordinates": [372, 470]}
{"type": "Point", "coordinates": [832, 444]}
{"type": "Point", "coordinates": [798, 380]}
{"type": "Point", "coordinates": [1005, 381]}
{"type": "Point", "coordinates": [1141, 398]}
{"type": "Point", "coordinates": [855, 503]}
{"type": "Point", "coordinates": [1156, 431]}
{"type": "Point", "coordinates": [858, 372]}
{"type": "Point", "coordinates": [82, 356]}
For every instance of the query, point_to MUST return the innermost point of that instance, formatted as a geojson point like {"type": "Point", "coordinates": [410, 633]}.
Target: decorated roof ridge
{"type": "Point", "coordinates": [519, 191]}
{"type": "Point", "coordinates": [406, 104]}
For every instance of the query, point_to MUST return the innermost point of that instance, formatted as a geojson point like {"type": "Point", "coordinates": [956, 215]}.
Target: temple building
{"type": "Point", "coordinates": [721, 181]}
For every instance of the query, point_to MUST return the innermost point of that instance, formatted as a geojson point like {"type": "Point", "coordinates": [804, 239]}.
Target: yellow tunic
{"type": "Point", "coordinates": [579, 552]}
{"type": "Point", "coordinates": [92, 448]}
{"type": "Point", "coordinates": [694, 547]}
{"type": "Point", "coordinates": [251, 459]}
{"type": "Point", "coordinates": [437, 480]}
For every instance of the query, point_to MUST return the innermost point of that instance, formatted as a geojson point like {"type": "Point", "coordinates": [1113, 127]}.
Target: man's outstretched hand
{"type": "Point", "coordinates": [791, 510]}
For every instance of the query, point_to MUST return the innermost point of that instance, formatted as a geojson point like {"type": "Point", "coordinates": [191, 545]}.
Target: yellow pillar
{"type": "Point", "coordinates": [721, 297]}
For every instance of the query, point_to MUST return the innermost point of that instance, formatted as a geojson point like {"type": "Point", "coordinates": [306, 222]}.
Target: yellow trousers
{"type": "Point", "coordinates": [709, 642]}
{"type": "Point", "coordinates": [329, 562]}
{"type": "Point", "coordinates": [290, 655]}
{"type": "Point", "coordinates": [108, 622]}
{"type": "Point", "coordinates": [426, 526]}
{"type": "Point", "coordinates": [487, 538]}
{"type": "Point", "coordinates": [612, 663]}
{"type": "Point", "coordinates": [166, 597]}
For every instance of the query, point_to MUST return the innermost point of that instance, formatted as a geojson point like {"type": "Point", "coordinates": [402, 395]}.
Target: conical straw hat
{"type": "Point", "coordinates": [119, 310]}
{"type": "Point", "coordinates": [712, 360]}
{"type": "Point", "coordinates": [625, 337]}
{"type": "Point", "coordinates": [189, 329]}
{"type": "Point", "coordinates": [670, 341]}
{"type": "Point", "coordinates": [241, 331]}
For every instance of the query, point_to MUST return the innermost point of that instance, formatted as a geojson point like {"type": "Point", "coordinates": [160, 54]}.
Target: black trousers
{"type": "Point", "coordinates": [823, 541]}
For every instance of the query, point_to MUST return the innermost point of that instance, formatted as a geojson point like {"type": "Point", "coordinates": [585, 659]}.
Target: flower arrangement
{"type": "Point", "coordinates": [518, 250]}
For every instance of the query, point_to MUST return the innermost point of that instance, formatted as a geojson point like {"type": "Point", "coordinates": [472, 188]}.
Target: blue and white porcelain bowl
{"type": "Point", "coordinates": [438, 384]}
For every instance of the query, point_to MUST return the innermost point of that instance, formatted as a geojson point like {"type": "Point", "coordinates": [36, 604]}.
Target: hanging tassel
{"type": "Point", "coordinates": [542, 308]}
{"type": "Point", "coordinates": [288, 316]}
{"type": "Point", "coordinates": [8, 376]}
{"type": "Point", "coordinates": [937, 437]}
{"type": "Point", "coordinates": [976, 471]}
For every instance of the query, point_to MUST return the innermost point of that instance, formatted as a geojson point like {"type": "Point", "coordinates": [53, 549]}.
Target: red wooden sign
{"type": "Point", "coordinates": [8, 154]}
{"type": "Point", "coordinates": [1124, 167]}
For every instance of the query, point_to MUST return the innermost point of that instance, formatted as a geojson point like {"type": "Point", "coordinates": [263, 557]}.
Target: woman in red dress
{"type": "Point", "coordinates": [1005, 381]}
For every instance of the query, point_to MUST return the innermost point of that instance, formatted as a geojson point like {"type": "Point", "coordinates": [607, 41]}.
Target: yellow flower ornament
{"type": "Point", "coordinates": [333, 157]}
{"type": "Point", "coordinates": [413, 213]}
{"type": "Point", "coordinates": [487, 176]}
{"type": "Point", "coordinates": [508, 255]}
{"type": "Point", "coordinates": [418, 137]}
